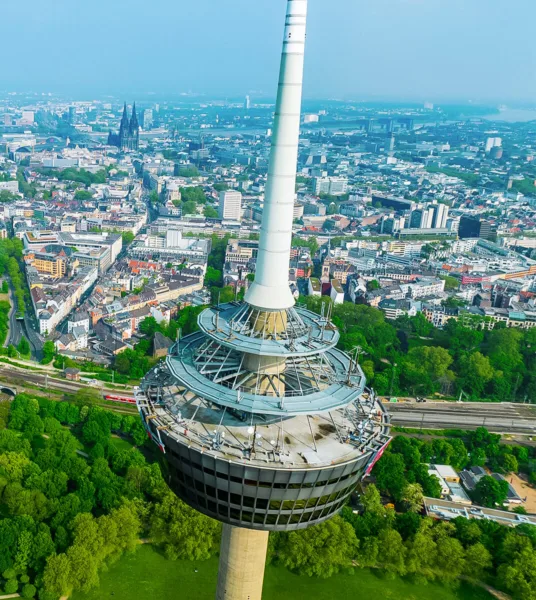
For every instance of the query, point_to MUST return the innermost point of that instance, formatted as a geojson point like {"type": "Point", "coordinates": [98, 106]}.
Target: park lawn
{"type": "Point", "coordinates": [120, 443]}
{"type": "Point", "coordinates": [4, 297]}
{"type": "Point", "coordinates": [146, 575]}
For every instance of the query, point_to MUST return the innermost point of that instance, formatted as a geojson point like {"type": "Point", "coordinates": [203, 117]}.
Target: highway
{"type": "Point", "coordinates": [501, 418]}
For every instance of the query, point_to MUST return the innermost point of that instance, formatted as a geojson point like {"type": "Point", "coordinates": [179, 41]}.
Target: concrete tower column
{"type": "Point", "coordinates": [242, 562]}
{"type": "Point", "coordinates": [270, 290]}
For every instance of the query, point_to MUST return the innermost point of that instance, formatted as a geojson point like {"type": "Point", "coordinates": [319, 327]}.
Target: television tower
{"type": "Point", "coordinates": [265, 424]}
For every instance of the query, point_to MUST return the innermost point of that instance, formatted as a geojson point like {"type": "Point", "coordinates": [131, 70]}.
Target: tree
{"type": "Point", "coordinates": [477, 561]}
{"type": "Point", "coordinates": [213, 277]}
{"type": "Point", "coordinates": [127, 237]}
{"type": "Point", "coordinates": [189, 171]}
{"type": "Point", "coordinates": [509, 463]}
{"type": "Point", "coordinates": [24, 347]}
{"type": "Point", "coordinates": [11, 586]}
{"type": "Point", "coordinates": [422, 551]}
{"type": "Point", "coordinates": [83, 195]}
{"type": "Point", "coordinates": [517, 574]}
{"type": "Point", "coordinates": [420, 325]}
{"type": "Point", "coordinates": [28, 591]}
{"type": "Point", "coordinates": [183, 532]}
{"type": "Point", "coordinates": [450, 557]}
{"type": "Point", "coordinates": [373, 285]}
{"type": "Point", "coordinates": [490, 492]}
{"type": "Point", "coordinates": [57, 577]}
{"type": "Point", "coordinates": [193, 194]}
{"type": "Point", "coordinates": [189, 208]}
{"type": "Point", "coordinates": [210, 212]}
{"type": "Point", "coordinates": [149, 326]}
{"type": "Point", "coordinates": [392, 551]}
{"type": "Point", "coordinates": [122, 363]}
{"type": "Point", "coordinates": [321, 550]}
{"type": "Point", "coordinates": [413, 498]}
{"type": "Point", "coordinates": [84, 566]}
{"type": "Point", "coordinates": [390, 477]}
{"type": "Point", "coordinates": [476, 372]}
{"type": "Point", "coordinates": [49, 351]}
{"type": "Point", "coordinates": [7, 196]}
{"type": "Point", "coordinates": [86, 397]}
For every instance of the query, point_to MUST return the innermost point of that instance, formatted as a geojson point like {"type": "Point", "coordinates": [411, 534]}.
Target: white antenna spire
{"type": "Point", "coordinates": [270, 290]}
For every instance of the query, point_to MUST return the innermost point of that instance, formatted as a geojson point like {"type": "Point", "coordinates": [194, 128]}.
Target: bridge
{"type": "Point", "coordinates": [9, 391]}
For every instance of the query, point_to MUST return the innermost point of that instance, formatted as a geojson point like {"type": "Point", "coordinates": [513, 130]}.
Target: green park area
{"type": "Point", "coordinates": [148, 574]}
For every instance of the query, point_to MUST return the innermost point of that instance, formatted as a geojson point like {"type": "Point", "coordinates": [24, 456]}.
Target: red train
{"type": "Point", "coordinates": [122, 399]}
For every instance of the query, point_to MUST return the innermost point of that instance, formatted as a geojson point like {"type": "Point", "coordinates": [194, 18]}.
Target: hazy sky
{"type": "Point", "coordinates": [357, 49]}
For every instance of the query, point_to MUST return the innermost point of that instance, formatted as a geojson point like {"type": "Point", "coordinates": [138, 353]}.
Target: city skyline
{"type": "Point", "coordinates": [406, 49]}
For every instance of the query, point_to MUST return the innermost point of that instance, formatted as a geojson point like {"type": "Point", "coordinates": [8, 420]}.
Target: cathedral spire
{"type": "Point", "coordinates": [124, 119]}
{"type": "Point", "coordinates": [134, 125]}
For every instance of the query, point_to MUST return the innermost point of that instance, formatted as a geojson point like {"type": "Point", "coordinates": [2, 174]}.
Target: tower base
{"type": "Point", "coordinates": [242, 562]}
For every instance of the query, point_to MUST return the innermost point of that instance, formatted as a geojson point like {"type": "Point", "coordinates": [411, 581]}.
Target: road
{"type": "Point", "coordinates": [35, 340]}
{"type": "Point", "coordinates": [503, 418]}
{"type": "Point", "coordinates": [25, 328]}
{"type": "Point", "coordinates": [13, 325]}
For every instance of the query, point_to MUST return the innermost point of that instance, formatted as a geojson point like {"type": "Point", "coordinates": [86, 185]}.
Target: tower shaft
{"type": "Point", "coordinates": [242, 561]}
{"type": "Point", "coordinates": [270, 290]}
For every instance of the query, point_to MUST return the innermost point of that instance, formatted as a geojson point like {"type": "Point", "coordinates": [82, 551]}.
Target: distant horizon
{"type": "Point", "coordinates": [130, 96]}
{"type": "Point", "coordinates": [419, 50]}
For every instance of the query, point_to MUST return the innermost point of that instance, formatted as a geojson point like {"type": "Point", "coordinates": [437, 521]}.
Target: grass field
{"type": "Point", "coordinates": [121, 443]}
{"type": "Point", "coordinates": [148, 575]}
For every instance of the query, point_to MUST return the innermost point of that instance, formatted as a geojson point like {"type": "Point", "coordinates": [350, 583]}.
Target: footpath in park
{"type": "Point", "coordinates": [10, 317]}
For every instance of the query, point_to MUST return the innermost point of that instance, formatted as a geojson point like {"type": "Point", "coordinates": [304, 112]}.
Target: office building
{"type": "Point", "coordinates": [27, 117]}
{"type": "Point", "coordinates": [147, 119]}
{"type": "Point", "coordinates": [72, 115]}
{"type": "Point", "coordinates": [429, 216]}
{"type": "Point", "coordinates": [474, 227]}
{"type": "Point", "coordinates": [440, 216]}
{"type": "Point", "coordinates": [493, 142]}
{"type": "Point", "coordinates": [334, 186]}
{"type": "Point", "coordinates": [230, 208]}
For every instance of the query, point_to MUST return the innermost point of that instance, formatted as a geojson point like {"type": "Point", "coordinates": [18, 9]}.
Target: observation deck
{"type": "Point", "coordinates": [265, 424]}
{"type": "Point", "coordinates": [334, 383]}
{"type": "Point", "coordinates": [300, 332]}
{"type": "Point", "coordinates": [305, 441]}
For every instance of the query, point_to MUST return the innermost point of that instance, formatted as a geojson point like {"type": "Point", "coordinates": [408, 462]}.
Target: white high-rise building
{"type": "Point", "coordinates": [173, 238]}
{"type": "Point", "coordinates": [230, 206]}
{"type": "Point", "coordinates": [27, 117]}
{"type": "Point", "coordinates": [493, 142]}
{"type": "Point", "coordinates": [429, 216]}
{"type": "Point", "coordinates": [247, 103]}
{"type": "Point", "coordinates": [440, 215]}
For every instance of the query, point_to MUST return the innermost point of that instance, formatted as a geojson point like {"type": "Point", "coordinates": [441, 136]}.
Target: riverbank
{"type": "Point", "coordinates": [146, 574]}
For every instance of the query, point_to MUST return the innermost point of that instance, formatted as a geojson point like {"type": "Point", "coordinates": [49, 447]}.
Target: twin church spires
{"type": "Point", "coordinates": [128, 137]}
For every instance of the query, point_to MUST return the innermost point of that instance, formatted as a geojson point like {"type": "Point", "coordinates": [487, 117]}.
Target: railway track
{"type": "Point", "coordinates": [504, 418]}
